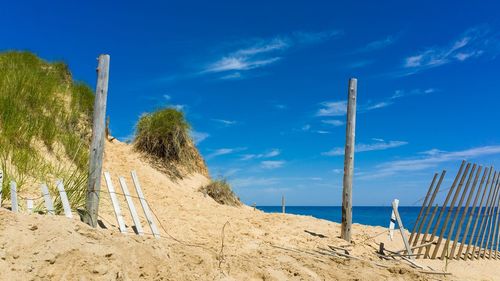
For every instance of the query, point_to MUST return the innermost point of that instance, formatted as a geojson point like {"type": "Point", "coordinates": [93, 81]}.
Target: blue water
{"type": "Point", "coordinates": [380, 216]}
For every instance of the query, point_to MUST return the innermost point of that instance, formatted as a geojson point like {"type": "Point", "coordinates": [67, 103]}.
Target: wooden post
{"type": "Point", "coordinates": [145, 206]}
{"type": "Point", "coordinates": [114, 201]}
{"type": "Point", "coordinates": [429, 242]}
{"type": "Point", "coordinates": [486, 218]}
{"type": "Point", "coordinates": [490, 234]}
{"type": "Point", "coordinates": [495, 226]}
{"type": "Point", "coordinates": [64, 199]}
{"type": "Point", "coordinates": [97, 144]}
{"type": "Point", "coordinates": [29, 205]}
{"type": "Point", "coordinates": [131, 206]}
{"type": "Point", "coordinates": [48, 201]}
{"type": "Point", "coordinates": [283, 204]}
{"type": "Point", "coordinates": [349, 161]}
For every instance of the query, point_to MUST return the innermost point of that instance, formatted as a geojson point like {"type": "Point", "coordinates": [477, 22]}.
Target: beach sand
{"type": "Point", "coordinates": [201, 240]}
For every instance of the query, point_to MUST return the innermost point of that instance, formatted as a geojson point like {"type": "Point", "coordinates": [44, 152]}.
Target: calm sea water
{"type": "Point", "coordinates": [376, 216]}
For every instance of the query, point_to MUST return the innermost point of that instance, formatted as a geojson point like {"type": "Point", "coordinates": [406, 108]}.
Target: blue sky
{"type": "Point", "coordinates": [264, 84]}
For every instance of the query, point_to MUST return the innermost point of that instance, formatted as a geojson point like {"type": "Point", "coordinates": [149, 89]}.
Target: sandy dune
{"type": "Point", "coordinates": [201, 240]}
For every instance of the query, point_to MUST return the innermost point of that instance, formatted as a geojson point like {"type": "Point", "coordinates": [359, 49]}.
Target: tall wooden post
{"type": "Point", "coordinates": [97, 144]}
{"type": "Point", "coordinates": [349, 161]}
{"type": "Point", "coordinates": [283, 204]}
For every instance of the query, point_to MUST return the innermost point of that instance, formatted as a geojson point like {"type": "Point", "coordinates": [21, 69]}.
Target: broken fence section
{"type": "Point", "coordinates": [466, 225]}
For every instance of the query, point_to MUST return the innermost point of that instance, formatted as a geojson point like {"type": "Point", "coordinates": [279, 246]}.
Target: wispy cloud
{"type": "Point", "coordinates": [272, 164]}
{"type": "Point", "coordinates": [262, 52]}
{"type": "Point", "coordinates": [379, 145]}
{"type": "Point", "coordinates": [253, 181]}
{"type": "Point", "coordinates": [225, 122]}
{"type": "Point", "coordinates": [378, 44]}
{"type": "Point", "coordinates": [333, 122]}
{"type": "Point", "coordinates": [431, 159]}
{"type": "Point", "coordinates": [473, 43]}
{"type": "Point", "coordinates": [272, 153]}
{"type": "Point", "coordinates": [223, 151]}
{"type": "Point", "coordinates": [339, 108]}
{"type": "Point", "coordinates": [198, 137]}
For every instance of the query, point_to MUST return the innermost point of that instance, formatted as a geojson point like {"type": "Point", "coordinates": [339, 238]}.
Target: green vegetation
{"type": "Point", "coordinates": [164, 136]}
{"type": "Point", "coordinates": [221, 192]}
{"type": "Point", "coordinates": [45, 122]}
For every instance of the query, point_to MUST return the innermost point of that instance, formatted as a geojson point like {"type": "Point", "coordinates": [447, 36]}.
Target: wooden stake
{"type": "Point", "coordinates": [393, 220]}
{"type": "Point", "coordinates": [349, 161]}
{"type": "Point", "coordinates": [464, 213]}
{"type": "Point", "coordinates": [131, 206]}
{"type": "Point", "coordinates": [441, 211]}
{"type": "Point", "coordinates": [114, 201]}
{"type": "Point", "coordinates": [450, 210]}
{"type": "Point", "coordinates": [428, 243]}
{"type": "Point", "coordinates": [494, 212]}
{"type": "Point", "coordinates": [283, 204]}
{"type": "Point", "coordinates": [64, 199]}
{"type": "Point", "coordinates": [97, 144]}
{"type": "Point", "coordinates": [1, 187]}
{"type": "Point", "coordinates": [471, 216]}
{"type": "Point", "coordinates": [482, 216]}
{"type": "Point", "coordinates": [145, 206]}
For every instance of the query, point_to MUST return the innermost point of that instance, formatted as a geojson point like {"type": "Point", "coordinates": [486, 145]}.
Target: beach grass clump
{"type": "Point", "coordinates": [45, 121]}
{"type": "Point", "coordinates": [220, 190]}
{"type": "Point", "coordinates": [164, 136]}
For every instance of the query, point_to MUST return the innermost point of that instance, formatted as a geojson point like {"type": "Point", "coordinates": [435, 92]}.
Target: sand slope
{"type": "Point", "coordinates": [201, 240]}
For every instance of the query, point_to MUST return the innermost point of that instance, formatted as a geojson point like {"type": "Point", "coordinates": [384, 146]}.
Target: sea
{"type": "Point", "coordinates": [376, 216]}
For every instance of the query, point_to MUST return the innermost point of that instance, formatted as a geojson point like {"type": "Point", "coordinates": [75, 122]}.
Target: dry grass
{"type": "Point", "coordinates": [221, 192]}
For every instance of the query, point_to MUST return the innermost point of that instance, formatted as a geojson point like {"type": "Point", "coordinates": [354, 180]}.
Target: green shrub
{"type": "Point", "coordinates": [221, 192]}
{"type": "Point", "coordinates": [164, 135]}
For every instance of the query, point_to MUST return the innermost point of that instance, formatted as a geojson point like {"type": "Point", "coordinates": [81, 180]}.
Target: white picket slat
{"type": "Point", "coordinates": [48, 200]}
{"type": "Point", "coordinates": [64, 199]}
{"type": "Point", "coordinates": [29, 205]}
{"type": "Point", "coordinates": [13, 197]}
{"type": "Point", "coordinates": [144, 205]}
{"type": "Point", "coordinates": [131, 206]}
{"type": "Point", "coordinates": [114, 201]}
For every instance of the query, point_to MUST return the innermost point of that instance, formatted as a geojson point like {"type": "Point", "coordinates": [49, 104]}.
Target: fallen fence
{"type": "Point", "coordinates": [466, 225]}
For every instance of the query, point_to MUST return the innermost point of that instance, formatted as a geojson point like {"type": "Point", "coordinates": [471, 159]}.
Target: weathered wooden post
{"type": "Point", "coordinates": [349, 161]}
{"type": "Point", "coordinates": [97, 144]}
{"type": "Point", "coordinates": [283, 204]}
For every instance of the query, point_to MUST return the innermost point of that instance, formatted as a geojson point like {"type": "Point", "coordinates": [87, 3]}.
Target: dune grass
{"type": "Point", "coordinates": [41, 107]}
{"type": "Point", "coordinates": [164, 136]}
{"type": "Point", "coordinates": [220, 190]}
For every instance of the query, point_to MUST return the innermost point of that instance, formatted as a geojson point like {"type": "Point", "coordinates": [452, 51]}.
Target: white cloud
{"type": "Point", "coordinates": [280, 106]}
{"type": "Point", "coordinates": [272, 153]}
{"type": "Point", "coordinates": [252, 181]}
{"type": "Point", "coordinates": [335, 123]}
{"type": "Point", "coordinates": [272, 164]}
{"type": "Point", "coordinates": [431, 159]}
{"type": "Point", "coordinates": [415, 92]}
{"type": "Point", "coordinates": [378, 105]}
{"type": "Point", "coordinates": [198, 137]}
{"type": "Point", "coordinates": [167, 97]}
{"type": "Point", "coordinates": [225, 122]}
{"type": "Point", "coordinates": [379, 145]}
{"type": "Point", "coordinates": [306, 127]}
{"type": "Point", "coordinates": [337, 108]}
{"type": "Point", "coordinates": [232, 76]}
{"type": "Point", "coordinates": [179, 107]}
{"type": "Point", "coordinates": [474, 43]}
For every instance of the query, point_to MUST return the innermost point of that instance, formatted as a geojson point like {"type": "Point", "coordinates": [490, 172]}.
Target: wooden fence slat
{"type": "Point", "coordinates": [471, 216]}
{"type": "Point", "coordinates": [49, 204]}
{"type": "Point", "coordinates": [425, 206]}
{"type": "Point", "coordinates": [402, 230]}
{"type": "Point", "coordinates": [114, 201]}
{"type": "Point", "coordinates": [426, 242]}
{"type": "Point", "coordinates": [1, 187]}
{"type": "Point", "coordinates": [13, 197]}
{"type": "Point", "coordinates": [483, 217]}
{"type": "Point", "coordinates": [488, 221]}
{"type": "Point", "coordinates": [144, 205]}
{"type": "Point", "coordinates": [450, 211]}
{"type": "Point", "coordinates": [131, 206]}
{"type": "Point", "coordinates": [493, 226]}
{"type": "Point", "coordinates": [441, 211]}
{"type": "Point", "coordinates": [64, 199]}
{"type": "Point", "coordinates": [29, 205]}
